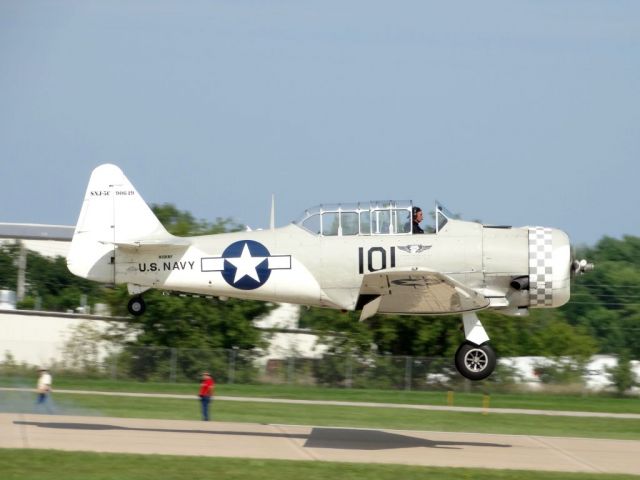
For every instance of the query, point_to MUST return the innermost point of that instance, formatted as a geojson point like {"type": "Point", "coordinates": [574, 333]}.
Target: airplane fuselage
{"type": "Point", "coordinates": [293, 265]}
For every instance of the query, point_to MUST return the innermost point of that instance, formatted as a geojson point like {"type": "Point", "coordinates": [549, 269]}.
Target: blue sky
{"type": "Point", "coordinates": [512, 112]}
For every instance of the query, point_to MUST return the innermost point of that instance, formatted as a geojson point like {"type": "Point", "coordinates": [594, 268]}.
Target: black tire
{"type": "Point", "coordinates": [475, 362]}
{"type": "Point", "coordinates": [136, 306]}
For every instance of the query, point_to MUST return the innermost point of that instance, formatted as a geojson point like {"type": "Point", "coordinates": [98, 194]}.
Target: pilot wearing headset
{"type": "Point", "coordinates": [417, 217]}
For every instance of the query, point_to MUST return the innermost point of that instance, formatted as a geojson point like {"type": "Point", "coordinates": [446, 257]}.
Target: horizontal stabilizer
{"type": "Point", "coordinates": [147, 243]}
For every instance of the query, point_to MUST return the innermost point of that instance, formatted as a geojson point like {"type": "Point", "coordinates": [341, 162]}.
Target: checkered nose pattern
{"type": "Point", "coordinates": [540, 267]}
{"type": "Point", "coordinates": [549, 260]}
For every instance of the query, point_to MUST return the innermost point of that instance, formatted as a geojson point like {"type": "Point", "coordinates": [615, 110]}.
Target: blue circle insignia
{"type": "Point", "coordinates": [246, 265]}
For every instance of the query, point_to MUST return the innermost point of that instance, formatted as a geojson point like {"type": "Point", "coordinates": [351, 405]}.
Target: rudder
{"type": "Point", "coordinates": [112, 212]}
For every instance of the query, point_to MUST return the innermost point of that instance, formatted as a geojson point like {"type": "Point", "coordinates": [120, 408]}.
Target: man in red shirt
{"type": "Point", "coordinates": [207, 387]}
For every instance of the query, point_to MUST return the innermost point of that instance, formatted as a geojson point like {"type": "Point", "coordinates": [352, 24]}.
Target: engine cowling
{"type": "Point", "coordinates": [549, 267]}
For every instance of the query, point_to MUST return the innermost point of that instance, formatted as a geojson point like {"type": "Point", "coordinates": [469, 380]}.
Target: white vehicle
{"type": "Point", "coordinates": [360, 256]}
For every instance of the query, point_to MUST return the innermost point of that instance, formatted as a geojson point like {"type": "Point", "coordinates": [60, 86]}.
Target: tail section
{"type": "Point", "coordinates": [113, 213]}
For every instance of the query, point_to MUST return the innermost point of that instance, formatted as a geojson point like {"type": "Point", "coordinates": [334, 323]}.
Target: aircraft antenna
{"type": "Point", "coordinates": [272, 223]}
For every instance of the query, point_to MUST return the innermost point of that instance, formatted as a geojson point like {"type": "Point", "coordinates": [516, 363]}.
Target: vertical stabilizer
{"type": "Point", "coordinates": [113, 212]}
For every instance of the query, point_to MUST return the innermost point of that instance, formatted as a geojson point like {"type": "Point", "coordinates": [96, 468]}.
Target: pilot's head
{"type": "Point", "coordinates": [417, 214]}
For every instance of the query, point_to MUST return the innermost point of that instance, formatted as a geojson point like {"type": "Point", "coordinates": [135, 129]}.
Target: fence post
{"type": "Point", "coordinates": [114, 367]}
{"type": "Point", "coordinates": [291, 365]}
{"type": "Point", "coordinates": [173, 365]}
{"type": "Point", "coordinates": [348, 374]}
{"type": "Point", "coordinates": [407, 372]}
{"type": "Point", "coordinates": [232, 364]}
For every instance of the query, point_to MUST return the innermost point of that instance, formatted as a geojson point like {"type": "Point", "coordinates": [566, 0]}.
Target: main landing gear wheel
{"type": "Point", "coordinates": [136, 306]}
{"type": "Point", "coordinates": [475, 362]}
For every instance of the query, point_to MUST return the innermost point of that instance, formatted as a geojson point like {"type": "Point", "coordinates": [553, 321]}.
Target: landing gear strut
{"type": "Point", "coordinates": [136, 306]}
{"type": "Point", "coordinates": [475, 359]}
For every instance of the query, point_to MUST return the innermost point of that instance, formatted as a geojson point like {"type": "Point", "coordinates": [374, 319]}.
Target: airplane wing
{"type": "Point", "coordinates": [417, 292]}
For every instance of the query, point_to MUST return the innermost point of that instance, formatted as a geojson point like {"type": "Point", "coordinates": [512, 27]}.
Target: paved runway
{"type": "Point", "coordinates": [289, 442]}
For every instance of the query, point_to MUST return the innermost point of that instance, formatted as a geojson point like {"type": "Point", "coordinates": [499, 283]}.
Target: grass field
{"type": "Point", "coordinates": [329, 415]}
{"type": "Point", "coordinates": [528, 400]}
{"type": "Point", "coordinates": [53, 465]}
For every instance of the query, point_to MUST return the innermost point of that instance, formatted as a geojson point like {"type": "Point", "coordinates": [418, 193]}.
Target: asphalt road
{"type": "Point", "coordinates": [291, 442]}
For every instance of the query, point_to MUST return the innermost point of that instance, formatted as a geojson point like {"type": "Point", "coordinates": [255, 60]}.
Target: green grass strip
{"type": "Point", "coordinates": [53, 465]}
{"type": "Point", "coordinates": [529, 400]}
{"type": "Point", "coordinates": [329, 415]}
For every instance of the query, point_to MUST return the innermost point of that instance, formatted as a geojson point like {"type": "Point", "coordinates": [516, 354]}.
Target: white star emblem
{"type": "Point", "coordinates": [242, 259]}
{"type": "Point", "coordinates": [246, 265]}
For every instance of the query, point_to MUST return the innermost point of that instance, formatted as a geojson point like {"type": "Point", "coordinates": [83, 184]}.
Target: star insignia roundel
{"type": "Point", "coordinates": [246, 264]}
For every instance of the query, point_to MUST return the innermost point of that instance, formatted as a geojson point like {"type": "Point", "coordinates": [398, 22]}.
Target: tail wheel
{"type": "Point", "coordinates": [136, 306]}
{"type": "Point", "coordinates": [475, 362]}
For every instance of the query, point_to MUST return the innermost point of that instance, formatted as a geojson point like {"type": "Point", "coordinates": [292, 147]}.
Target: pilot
{"type": "Point", "coordinates": [417, 218]}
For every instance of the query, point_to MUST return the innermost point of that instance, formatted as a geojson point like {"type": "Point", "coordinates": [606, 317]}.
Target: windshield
{"type": "Point", "coordinates": [442, 216]}
{"type": "Point", "coordinates": [382, 217]}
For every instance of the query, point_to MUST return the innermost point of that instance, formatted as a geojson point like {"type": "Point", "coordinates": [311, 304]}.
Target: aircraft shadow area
{"type": "Point", "coordinates": [333, 438]}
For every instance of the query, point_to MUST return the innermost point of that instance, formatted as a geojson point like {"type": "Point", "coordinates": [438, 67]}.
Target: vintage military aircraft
{"type": "Point", "coordinates": [360, 256]}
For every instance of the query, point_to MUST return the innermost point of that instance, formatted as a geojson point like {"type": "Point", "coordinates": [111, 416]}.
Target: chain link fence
{"type": "Point", "coordinates": [235, 366]}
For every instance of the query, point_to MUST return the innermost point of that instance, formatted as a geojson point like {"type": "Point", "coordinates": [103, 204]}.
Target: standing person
{"type": "Point", "coordinates": [44, 389]}
{"type": "Point", "coordinates": [207, 388]}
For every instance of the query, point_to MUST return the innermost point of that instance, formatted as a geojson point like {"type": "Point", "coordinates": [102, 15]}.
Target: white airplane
{"type": "Point", "coordinates": [361, 256]}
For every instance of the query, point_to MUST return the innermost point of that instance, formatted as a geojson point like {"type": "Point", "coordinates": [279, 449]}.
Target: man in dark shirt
{"type": "Point", "coordinates": [417, 218]}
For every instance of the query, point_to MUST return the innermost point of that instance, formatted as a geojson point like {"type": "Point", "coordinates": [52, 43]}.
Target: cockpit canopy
{"type": "Point", "coordinates": [379, 217]}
